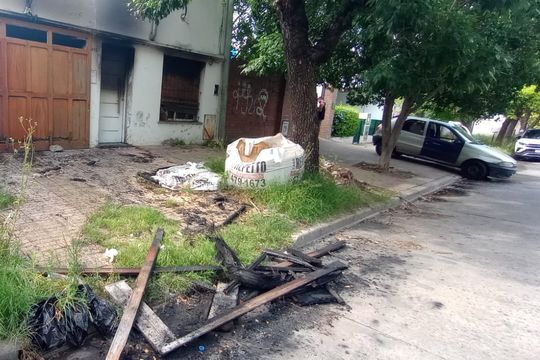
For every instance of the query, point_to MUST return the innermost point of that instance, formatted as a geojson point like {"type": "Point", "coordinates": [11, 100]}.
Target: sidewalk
{"type": "Point", "coordinates": [409, 174]}
{"type": "Point", "coordinates": [67, 187]}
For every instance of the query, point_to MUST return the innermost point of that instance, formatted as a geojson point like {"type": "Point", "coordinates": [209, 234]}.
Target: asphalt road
{"type": "Point", "coordinates": [456, 276]}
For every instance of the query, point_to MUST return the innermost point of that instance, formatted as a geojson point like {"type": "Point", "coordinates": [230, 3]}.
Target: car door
{"type": "Point", "coordinates": [411, 138]}
{"type": "Point", "coordinates": [442, 143]}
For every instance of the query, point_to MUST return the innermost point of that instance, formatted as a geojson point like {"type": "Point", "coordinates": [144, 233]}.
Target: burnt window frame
{"type": "Point", "coordinates": [174, 108]}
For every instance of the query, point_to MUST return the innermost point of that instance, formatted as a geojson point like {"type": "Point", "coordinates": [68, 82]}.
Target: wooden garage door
{"type": "Point", "coordinates": [44, 76]}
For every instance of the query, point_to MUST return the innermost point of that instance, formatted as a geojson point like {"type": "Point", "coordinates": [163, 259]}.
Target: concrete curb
{"type": "Point", "coordinates": [307, 236]}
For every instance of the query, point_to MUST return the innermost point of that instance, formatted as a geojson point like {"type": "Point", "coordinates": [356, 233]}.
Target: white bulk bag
{"type": "Point", "coordinates": [258, 162]}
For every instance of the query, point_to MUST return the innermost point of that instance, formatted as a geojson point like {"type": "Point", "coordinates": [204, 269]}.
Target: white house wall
{"type": "Point", "coordinates": [95, 90]}
{"type": "Point", "coordinates": [201, 31]}
{"type": "Point", "coordinates": [142, 124]}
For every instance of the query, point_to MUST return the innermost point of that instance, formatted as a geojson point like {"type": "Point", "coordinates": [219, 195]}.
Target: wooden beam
{"type": "Point", "coordinates": [310, 259]}
{"type": "Point", "coordinates": [289, 258]}
{"type": "Point", "coordinates": [130, 271]}
{"type": "Point", "coordinates": [147, 322]}
{"type": "Point", "coordinates": [253, 265]}
{"type": "Point", "coordinates": [252, 304]}
{"type": "Point", "coordinates": [321, 252]}
{"type": "Point", "coordinates": [277, 268]}
{"type": "Point", "coordinates": [222, 303]}
{"type": "Point", "coordinates": [315, 254]}
{"type": "Point", "coordinates": [130, 311]}
{"type": "Point", "coordinates": [234, 215]}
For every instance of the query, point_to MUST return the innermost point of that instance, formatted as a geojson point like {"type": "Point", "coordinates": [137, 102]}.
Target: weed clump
{"type": "Point", "coordinates": [315, 197]}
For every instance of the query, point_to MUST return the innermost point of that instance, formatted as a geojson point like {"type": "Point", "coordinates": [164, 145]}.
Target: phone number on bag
{"type": "Point", "coordinates": [247, 182]}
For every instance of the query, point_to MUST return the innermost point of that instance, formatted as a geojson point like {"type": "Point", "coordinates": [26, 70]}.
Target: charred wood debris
{"type": "Point", "coordinates": [295, 275]}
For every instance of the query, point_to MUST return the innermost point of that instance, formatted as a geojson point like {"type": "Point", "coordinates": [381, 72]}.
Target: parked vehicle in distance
{"type": "Point", "coordinates": [450, 145]}
{"type": "Point", "coordinates": [528, 145]}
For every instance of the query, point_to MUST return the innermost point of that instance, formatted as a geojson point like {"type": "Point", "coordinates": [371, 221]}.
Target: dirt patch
{"type": "Point", "coordinates": [66, 187]}
{"type": "Point", "coordinates": [392, 171]}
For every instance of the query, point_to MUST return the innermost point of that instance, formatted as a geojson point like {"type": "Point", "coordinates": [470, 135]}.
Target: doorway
{"type": "Point", "coordinates": [116, 62]}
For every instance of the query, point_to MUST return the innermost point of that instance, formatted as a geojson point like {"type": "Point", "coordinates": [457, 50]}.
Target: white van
{"type": "Point", "coordinates": [450, 145]}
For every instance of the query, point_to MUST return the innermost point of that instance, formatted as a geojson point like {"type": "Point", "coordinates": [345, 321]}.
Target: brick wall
{"type": "Point", "coordinates": [259, 105]}
{"type": "Point", "coordinates": [254, 104]}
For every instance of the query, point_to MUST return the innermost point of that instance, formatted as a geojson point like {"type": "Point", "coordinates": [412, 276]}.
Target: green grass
{"type": "Point", "coordinates": [216, 164]}
{"type": "Point", "coordinates": [20, 288]}
{"type": "Point", "coordinates": [258, 232]}
{"type": "Point", "coordinates": [6, 199]}
{"type": "Point", "coordinates": [131, 229]}
{"type": "Point", "coordinates": [507, 146]}
{"type": "Point", "coordinates": [316, 197]}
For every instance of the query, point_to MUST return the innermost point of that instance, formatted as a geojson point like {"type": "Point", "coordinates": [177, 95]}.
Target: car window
{"type": "Point", "coordinates": [446, 134]}
{"type": "Point", "coordinates": [414, 126]}
{"type": "Point", "coordinates": [441, 132]}
{"type": "Point", "coordinates": [532, 134]}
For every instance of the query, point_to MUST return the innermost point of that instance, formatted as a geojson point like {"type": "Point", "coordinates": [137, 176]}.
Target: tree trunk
{"type": "Point", "coordinates": [389, 139]}
{"type": "Point", "coordinates": [524, 122]}
{"type": "Point", "coordinates": [384, 160]}
{"type": "Point", "coordinates": [305, 124]}
{"type": "Point", "coordinates": [301, 77]}
{"type": "Point", "coordinates": [502, 131]}
{"type": "Point", "coordinates": [510, 129]}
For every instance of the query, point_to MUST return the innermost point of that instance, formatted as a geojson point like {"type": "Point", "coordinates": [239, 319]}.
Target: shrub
{"type": "Point", "coordinates": [506, 146]}
{"type": "Point", "coordinates": [345, 121]}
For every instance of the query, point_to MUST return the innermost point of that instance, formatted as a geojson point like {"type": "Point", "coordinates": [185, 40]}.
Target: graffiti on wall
{"type": "Point", "coordinates": [249, 104]}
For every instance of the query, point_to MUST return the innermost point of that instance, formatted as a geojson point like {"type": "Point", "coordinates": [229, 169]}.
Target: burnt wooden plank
{"type": "Point", "coordinates": [130, 311]}
{"type": "Point", "coordinates": [147, 322]}
{"type": "Point", "coordinates": [278, 268]}
{"type": "Point", "coordinates": [320, 252]}
{"type": "Point", "coordinates": [251, 304]}
{"type": "Point", "coordinates": [222, 303]}
{"type": "Point", "coordinates": [310, 259]}
{"type": "Point", "coordinates": [253, 265]}
{"type": "Point", "coordinates": [131, 271]}
{"type": "Point", "coordinates": [234, 215]}
{"type": "Point", "coordinates": [225, 254]}
{"type": "Point", "coordinates": [257, 280]}
{"type": "Point", "coordinates": [289, 258]}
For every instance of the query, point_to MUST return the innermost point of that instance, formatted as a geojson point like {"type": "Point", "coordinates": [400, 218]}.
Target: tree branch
{"type": "Point", "coordinates": [341, 22]}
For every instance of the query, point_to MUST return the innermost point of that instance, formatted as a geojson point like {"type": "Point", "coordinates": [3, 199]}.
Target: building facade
{"type": "Point", "coordinates": [90, 73]}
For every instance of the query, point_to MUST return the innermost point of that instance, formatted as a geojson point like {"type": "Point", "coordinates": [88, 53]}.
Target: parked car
{"type": "Point", "coordinates": [450, 145]}
{"type": "Point", "coordinates": [528, 145]}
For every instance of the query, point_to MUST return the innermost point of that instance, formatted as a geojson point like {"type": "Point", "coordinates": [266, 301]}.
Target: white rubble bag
{"type": "Point", "coordinates": [255, 163]}
{"type": "Point", "coordinates": [191, 175]}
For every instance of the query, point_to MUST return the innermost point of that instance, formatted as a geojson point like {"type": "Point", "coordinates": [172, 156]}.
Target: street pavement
{"type": "Point", "coordinates": [455, 276]}
{"type": "Point", "coordinates": [408, 173]}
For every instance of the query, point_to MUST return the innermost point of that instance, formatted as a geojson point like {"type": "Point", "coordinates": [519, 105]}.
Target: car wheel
{"type": "Point", "coordinates": [474, 169]}
{"type": "Point", "coordinates": [378, 149]}
{"type": "Point", "coordinates": [396, 154]}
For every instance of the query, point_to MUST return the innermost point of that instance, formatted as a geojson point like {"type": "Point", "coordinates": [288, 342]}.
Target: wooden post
{"type": "Point", "coordinates": [130, 311]}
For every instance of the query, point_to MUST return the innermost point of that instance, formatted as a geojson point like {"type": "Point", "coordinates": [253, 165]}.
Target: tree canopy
{"type": "Point", "coordinates": [469, 58]}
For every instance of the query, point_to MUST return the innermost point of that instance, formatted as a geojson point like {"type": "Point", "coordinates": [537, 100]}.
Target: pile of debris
{"type": "Point", "coordinates": [296, 275]}
{"type": "Point", "coordinates": [341, 175]}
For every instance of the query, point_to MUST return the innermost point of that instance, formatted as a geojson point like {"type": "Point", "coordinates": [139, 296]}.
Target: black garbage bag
{"type": "Point", "coordinates": [52, 325]}
{"type": "Point", "coordinates": [103, 315]}
{"type": "Point", "coordinates": [48, 328]}
{"type": "Point", "coordinates": [77, 319]}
